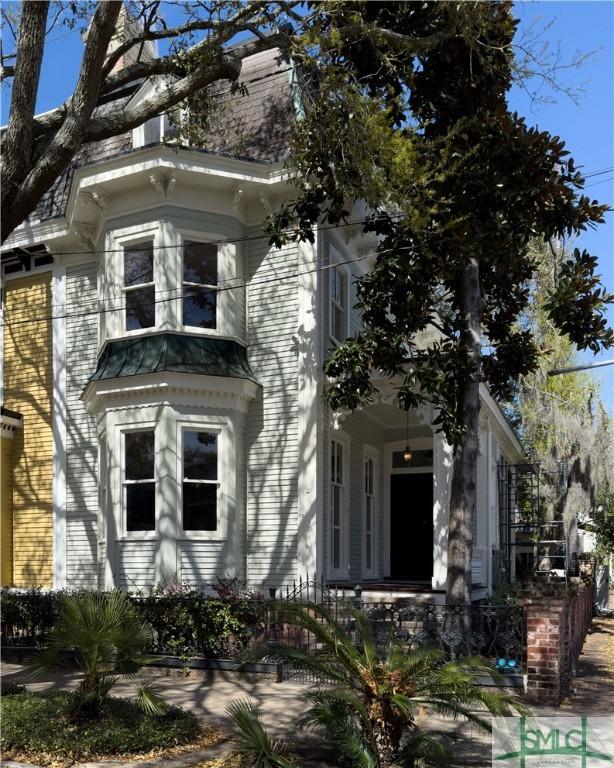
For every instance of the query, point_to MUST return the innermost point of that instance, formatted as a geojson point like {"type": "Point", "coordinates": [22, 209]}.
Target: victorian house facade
{"type": "Point", "coordinates": [162, 378]}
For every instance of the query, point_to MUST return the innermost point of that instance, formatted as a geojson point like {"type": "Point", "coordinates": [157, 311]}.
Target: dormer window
{"type": "Point", "coordinates": [139, 287]}
{"type": "Point", "coordinates": [199, 284]}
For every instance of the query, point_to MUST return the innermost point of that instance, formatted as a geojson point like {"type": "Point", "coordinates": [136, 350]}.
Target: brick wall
{"type": "Point", "coordinates": [558, 618]}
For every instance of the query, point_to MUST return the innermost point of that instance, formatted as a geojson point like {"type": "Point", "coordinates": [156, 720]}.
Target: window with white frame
{"type": "Point", "coordinates": [199, 284]}
{"type": "Point", "coordinates": [338, 303]}
{"type": "Point", "coordinates": [337, 500]}
{"type": "Point", "coordinates": [200, 480]}
{"type": "Point", "coordinates": [139, 481]}
{"type": "Point", "coordinates": [139, 286]}
{"type": "Point", "coordinates": [370, 474]}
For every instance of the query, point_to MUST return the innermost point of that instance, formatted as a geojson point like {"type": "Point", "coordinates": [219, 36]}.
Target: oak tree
{"type": "Point", "coordinates": [118, 53]}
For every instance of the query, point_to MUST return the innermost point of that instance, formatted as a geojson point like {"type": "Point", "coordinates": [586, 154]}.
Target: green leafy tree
{"type": "Point", "coordinates": [409, 114]}
{"type": "Point", "coordinates": [561, 419]}
{"type": "Point", "coordinates": [370, 709]}
{"type": "Point", "coordinates": [107, 639]}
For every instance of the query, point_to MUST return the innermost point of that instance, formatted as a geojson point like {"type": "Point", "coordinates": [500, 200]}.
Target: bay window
{"type": "Point", "coordinates": [139, 287]}
{"type": "Point", "coordinates": [200, 481]}
{"type": "Point", "coordinates": [199, 284]}
{"type": "Point", "coordinates": [139, 484]}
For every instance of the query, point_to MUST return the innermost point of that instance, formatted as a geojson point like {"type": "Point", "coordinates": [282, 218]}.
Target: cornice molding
{"type": "Point", "coordinates": [8, 425]}
{"type": "Point", "coordinates": [151, 389]}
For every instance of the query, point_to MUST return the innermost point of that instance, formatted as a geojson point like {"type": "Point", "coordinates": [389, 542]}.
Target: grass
{"type": "Point", "coordinates": [35, 728]}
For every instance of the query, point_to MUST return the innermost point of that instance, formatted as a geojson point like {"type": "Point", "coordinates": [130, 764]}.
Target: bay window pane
{"type": "Point", "coordinates": [199, 306]}
{"type": "Point", "coordinates": [139, 456]}
{"type": "Point", "coordinates": [140, 308]}
{"type": "Point", "coordinates": [336, 559]}
{"type": "Point", "coordinates": [199, 506]}
{"type": "Point", "coordinates": [199, 456]}
{"type": "Point", "coordinates": [200, 263]}
{"type": "Point", "coordinates": [138, 264]}
{"type": "Point", "coordinates": [141, 507]}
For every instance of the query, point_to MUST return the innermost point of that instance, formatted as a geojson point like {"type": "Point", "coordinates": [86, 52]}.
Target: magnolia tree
{"type": "Point", "coordinates": [414, 119]}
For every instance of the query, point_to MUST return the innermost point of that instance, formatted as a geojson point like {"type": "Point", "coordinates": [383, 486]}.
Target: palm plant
{"type": "Point", "coordinates": [373, 700]}
{"type": "Point", "coordinates": [107, 639]}
{"type": "Point", "coordinates": [252, 742]}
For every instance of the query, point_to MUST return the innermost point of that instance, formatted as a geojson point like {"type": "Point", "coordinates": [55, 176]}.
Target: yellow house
{"type": "Point", "coordinates": [27, 462]}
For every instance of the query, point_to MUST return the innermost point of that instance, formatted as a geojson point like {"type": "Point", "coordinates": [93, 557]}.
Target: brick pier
{"type": "Point", "coordinates": [558, 617]}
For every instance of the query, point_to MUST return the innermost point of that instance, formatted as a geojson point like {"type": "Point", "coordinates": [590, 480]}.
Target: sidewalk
{"type": "Point", "coordinates": [278, 705]}
{"type": "Point", "coordinates": [594, 683]}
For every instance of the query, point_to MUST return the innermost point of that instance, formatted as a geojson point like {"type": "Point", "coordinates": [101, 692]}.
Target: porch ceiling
{"type": "Point", "coordinates": [391, 417]}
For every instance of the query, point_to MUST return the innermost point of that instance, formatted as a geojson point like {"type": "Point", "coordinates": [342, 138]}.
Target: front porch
{"type": "Point", "coordinates": [395, 590]}
{"type": "Point", "coordinates": [387, 507]}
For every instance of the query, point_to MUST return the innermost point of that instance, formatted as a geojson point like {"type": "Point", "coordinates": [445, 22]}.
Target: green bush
{"type": "Point", "coordinates": [185, 622]}
{"type": "Point", "coordinates": [38, 723]}
{"type": "Point", "coordinates": [28, 615]}
{"type": "Point", "coordinates": [188, 623]}
{"type": "Point", "coordinates": [107, 638]}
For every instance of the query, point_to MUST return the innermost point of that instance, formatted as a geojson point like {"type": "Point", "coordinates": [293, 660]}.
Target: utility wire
{"type": "Point", "coordinates": [267, 281]}
{"type": "Point", "coordinates": [223, 241]}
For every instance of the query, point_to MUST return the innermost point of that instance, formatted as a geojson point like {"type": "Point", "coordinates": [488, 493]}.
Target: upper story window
{"type": "Point", "coordinates": [339, 284]}
{"type": "Point", "coordinates": [200, 481]}
{"type": "Point", "coordinates": [139, 484]}
{"type": "Point", "coordinates": [199, 284]}
{"type": "Point", "coordinates": [157, 277]}
{"type": "Point", "coordinates": [139, 287]}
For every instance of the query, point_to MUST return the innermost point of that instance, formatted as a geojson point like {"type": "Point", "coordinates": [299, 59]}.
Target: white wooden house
{"type": "Point", "coordinates": [190, 440]}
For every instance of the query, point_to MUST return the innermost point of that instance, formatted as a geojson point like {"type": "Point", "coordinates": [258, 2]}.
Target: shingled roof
{"type": "Point", "coordinates": [251, 126]}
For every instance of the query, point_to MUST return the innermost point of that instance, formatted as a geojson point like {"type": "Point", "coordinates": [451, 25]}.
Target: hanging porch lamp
{"type": "Point", "coordinates": [407, 453]}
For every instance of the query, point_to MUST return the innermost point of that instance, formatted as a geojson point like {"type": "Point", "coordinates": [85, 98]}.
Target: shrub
{"type": "Point", "coordinates": [28, 616]}
{"type": "Point", "coordinates": [370, 710]}
{"type": "Point", "coordinates": [38, 723]}
{"type": "Point", "coordinates": [185, 622]}
{"type": "Point", "coordinates": [107, 638]}
{"type": "Point", "coordinates": [251, 740]}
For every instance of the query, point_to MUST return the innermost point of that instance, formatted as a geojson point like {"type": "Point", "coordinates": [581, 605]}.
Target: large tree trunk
{"type": "Point", "coordinates": [17, 142]}
{"type": "Point", "coordinates": [464, 478]}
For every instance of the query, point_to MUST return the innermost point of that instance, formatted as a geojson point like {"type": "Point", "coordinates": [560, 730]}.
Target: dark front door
{"type": "Point", "coordinates": [411, 527]}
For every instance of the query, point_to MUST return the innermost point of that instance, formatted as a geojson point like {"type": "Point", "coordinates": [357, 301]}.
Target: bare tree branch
{"type": "Point", "coordinates": [23, 98]}
{"type": "Point", "coordinates": [25, 185]}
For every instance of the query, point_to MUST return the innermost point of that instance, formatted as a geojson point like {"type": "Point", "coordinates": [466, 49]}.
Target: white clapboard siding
{"type": "Point", "coordinates": [272, 426]}
{"type": "Point", "coordinates": [478, 567]}
{"type": "Point", "coordinates": [136, 565]}
{"type": "Point", "coordinates": [201, 563]}
{"type": "Point", "coordinates": [81, 441]}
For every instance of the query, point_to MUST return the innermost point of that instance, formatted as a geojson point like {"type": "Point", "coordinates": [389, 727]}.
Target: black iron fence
{"type": "Point", "coordinates": [195, 624]}
{"type": "Point", "coordinates": [496, 632]}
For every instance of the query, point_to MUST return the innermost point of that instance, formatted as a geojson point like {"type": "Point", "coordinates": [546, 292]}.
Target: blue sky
{"type": "Point", "coordinates": [587, 128]}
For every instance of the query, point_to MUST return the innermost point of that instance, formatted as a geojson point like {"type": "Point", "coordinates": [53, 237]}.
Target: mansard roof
{"type": "Point", "coordinates": [253, 125]}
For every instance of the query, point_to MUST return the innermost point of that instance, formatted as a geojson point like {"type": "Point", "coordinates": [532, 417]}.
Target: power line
{"type": "Point", "coordinates": [223, 241]}
{"type": "Point", "coordinates": [294, 275]}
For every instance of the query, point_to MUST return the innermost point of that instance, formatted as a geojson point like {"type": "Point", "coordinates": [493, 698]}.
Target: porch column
{"type": "Point", "coordinates": [442, 478]}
